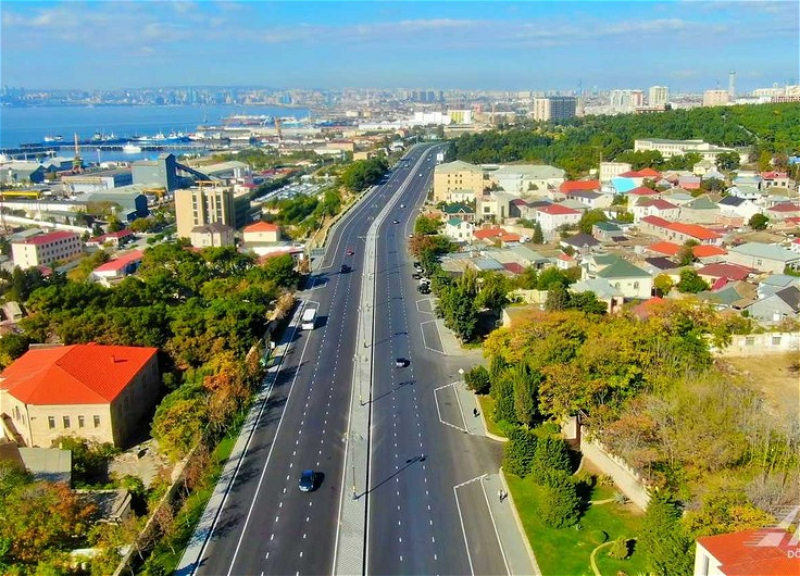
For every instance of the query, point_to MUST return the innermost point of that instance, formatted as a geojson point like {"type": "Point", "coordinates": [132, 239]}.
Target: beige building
{"type": "Point", "coordinates": [100, 393]}
{"type": "Point", "coordinates": [715, 98]}
{"type": "Point", "coordinates": [261, 232]}
{"type": "Point", "coordinates": [459, 177]}
{"type": "Point", "coordinates": [609, 170]}
{"type": "Point", "coordinates": [212, 235]}
{"type": "Point", "coordinates": [45, 249]}
{"type": "Point", "coordinates": [206, 204]}
{"type": "Point", "coordinates": [658, 96]}
{"type": "Point", "coordinates": [670, 148]}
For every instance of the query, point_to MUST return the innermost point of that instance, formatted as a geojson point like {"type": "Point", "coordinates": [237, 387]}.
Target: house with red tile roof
{"type": "Point", "coordinates": [553, 216]}
{"type": "Point", "coordinates": [764, 552]}
{"type": "Point", "coordinates": [45, 249]}
{"type": "Point", "coordinates": [574, 185]}
{"type": "Point", "coordinates": [773, 178]}
{"type": "Point", "coordinates": [655, 207]}
{"type": "Point", "coordinates": [781, 211]}
{"type": "Point", "coordinates": [113, 239]}
{"type": "Point", "coordinates": [712, 272]}
{"type": "Point", "coordinates": [663, 247]}
{"type": "Point", "coordinates": [488, 233]}
{"type": "Point", "coordinates": [100, 393]}
{"type": "Point", "coordinates": [261, 232]}
{"type": "Point", "coordinates": [678, 232]}
{"type": "Point", "coordinates": [641, 191]}
{"type": "Point", "coordinates": [708, 251]}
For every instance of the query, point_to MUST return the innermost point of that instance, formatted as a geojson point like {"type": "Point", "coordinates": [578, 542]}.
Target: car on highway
{"type": "Point", "coordinates": [401, 362]}
{"type": "Point", "coordinates": [395, 221]}
{"type": "Point", "coordinates": [402, 205]}
{"type": "Point", "coordinates": [410, 235]}
{"type": "Point", "coordinates": [344, 269]}
{"type": "Point", "coordinates": [350, 252]}
{"type": "Point", "coordinates": [308, 481]}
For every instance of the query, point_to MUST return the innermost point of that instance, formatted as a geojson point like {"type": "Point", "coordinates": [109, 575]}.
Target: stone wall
{"type": "Point", "coordinates": [760, 344]}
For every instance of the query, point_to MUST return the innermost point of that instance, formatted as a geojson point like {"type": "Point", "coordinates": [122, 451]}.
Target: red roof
{"type": "Point", "coordinates": [706, 250]}
{"type": "Point", "coordinates": [659, 204]}
{"type": "Point", "coordinates": [261, 227]}
{"type": "Point", "coordinates": [485, 233]}
{"type": "Point", "coordinates": [773, 175]}
{"type": "Point", "coordinates": [664, 247]}
{"type": "Point", "coordinates": [643, 310]}
{"type": "Point", "coordinates": [573, 185]}
{"type": "Point", "coordinates": [79, 374]}
{"type": "Point", "coordinates": [514, 267]}
{"type": "Point", "coordinates": [793, 219]}
{"type": "Point", "coordinates": [118, 235]}
{"type": "Point", "coordinates": [557, 210]}
{"type": "Point", "coordinates": [762, 552]}
{"type": "Point", "coordinates": [785, 207]}
{"type": "Point", "coordinates": [642, 191]}
{"type": "Point", "coordinates": [732, 271]}
{"type": "Point", "coordinates": [51, 237]}
{"type": "Point", "coordinates": [510, 237]}
{"type": "Point", "coordinates": [657, 221]}
{"type": "Point", "coordinates": [649, 173]}
{"type": "Point", "coordinates": [518, 202]}
{"type": "Point", "coordinates": [694, 230]}
{"type": "Point", "coordinates": [120, 262]}
{"type": "Point", "coordinates": [566, 257]}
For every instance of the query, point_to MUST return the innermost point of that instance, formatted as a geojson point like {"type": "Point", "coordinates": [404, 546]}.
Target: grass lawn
{"type": "Point", "coordinates": [487, 407]}
{"type": "Point", "coordinates": [565, 552]}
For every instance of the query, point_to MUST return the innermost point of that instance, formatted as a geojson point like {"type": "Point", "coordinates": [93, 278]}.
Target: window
{"type": "Point", "coordinates": [776, 340]}
{"type": "Point", "coordinates": [635, 285]}
{"type": "Point", "coordinates": [65, 420]}
{"type": "Point", "coordinates": [96, 421]}
{"type": "Point", "coordinates": [81, 421]}
{"type": "Point", "coordinates": [51, 422]}
{"type": "Point", "coordinates": [16, 412]}
{"type": "Point", "coordinates": [749, 341]}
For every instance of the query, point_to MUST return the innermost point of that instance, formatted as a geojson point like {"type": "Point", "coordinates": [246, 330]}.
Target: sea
{"type": "Point", "coordinates": [27, 125]}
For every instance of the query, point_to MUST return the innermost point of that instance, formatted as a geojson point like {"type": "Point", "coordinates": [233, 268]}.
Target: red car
{"type": "Point", "coordinates": [350, 252]}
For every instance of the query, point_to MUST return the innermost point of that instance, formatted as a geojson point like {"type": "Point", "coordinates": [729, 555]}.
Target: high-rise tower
{"type": "Point", "coordinates": [731, 85]}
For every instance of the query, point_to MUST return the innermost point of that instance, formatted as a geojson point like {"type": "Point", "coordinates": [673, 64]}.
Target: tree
{"type": "Point", "coordinates": [663, 284]}
{"type": "Point", "coordinates": [538, 235]}
{"type": "Point", "coordinates": [663, 539]}
{"type": "Point", "coordinates": [586, 302]}
{"type": "Point", "coordinates": [557, 298]}
{"type": "Point", "coordinates": [518, 452]}
{"type": "Point", "coordinates": [12, 346]}
{"type": "Point", "coordinates": [758, 221]}
{"type": "Point", "coordinates": [559, 504]}
{"type": "Point", "coordinates": [591, 218]}
{"type": "Point", "coordinates": [691, 283]}
{"type": "Point", "coordinates": [114, 224]}
{"type": "Point", "coordinates": [686, 253]}
{"type": "Point", "coordinates": [550, 277]}
{"type": "Point", "coordinates": [427, 226]}
{"type": "Point", "coordinates": [477, 379]}
{"type": "Point", "coordinates": [551, 456]}
{"type": "Point", "coordinates": [727, 161]}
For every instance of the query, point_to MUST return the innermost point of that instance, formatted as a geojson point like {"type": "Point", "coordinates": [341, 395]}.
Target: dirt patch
{"type": "Point", "coordinates": [776, 377]}
{"type": "Point", "coordinates": [143, 461]}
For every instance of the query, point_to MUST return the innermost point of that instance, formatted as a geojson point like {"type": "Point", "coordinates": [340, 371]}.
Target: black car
{"type": "Point", "coordinates": [308, 481]}
{"type": "Point", "coordinates": [344, 269]}
{"type": "Point", "coordinates": [416, 276]}
{"type": "Point", "coordinates": [424, 289]}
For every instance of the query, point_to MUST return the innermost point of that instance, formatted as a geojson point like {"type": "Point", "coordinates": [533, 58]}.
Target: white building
{"type": "Point", "coordinates": [46, 248]}
{"type": "Point", "coordinates": [716, 98]}
{"type": "Point", "coordinates": [670, 148]}
{"type": "Point", "coordinates": [609, 170]}
{"type": "Point", "coordinates": [554, 216]}
{"type": "Point", "coordinates": [528, 178]}
{"type": "Point", "coordinates": [658, 96]}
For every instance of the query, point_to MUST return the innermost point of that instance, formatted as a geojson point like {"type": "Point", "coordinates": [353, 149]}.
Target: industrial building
{"type": "Point", "coordinates": [45, 249]}
{"type": "Point", "coordinates": [98, 181]}
{"type": "Point", "coordinates": [203, 205]}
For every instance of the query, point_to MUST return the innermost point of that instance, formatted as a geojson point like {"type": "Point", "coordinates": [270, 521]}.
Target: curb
{"type": "Point", "coordinates": [520, 527]}
{"type": "Point", "coordinates": [486, 428]}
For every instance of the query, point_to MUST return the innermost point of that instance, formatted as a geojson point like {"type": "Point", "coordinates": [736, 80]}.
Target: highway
{"type": "Point", "coordinates": [417, 521]}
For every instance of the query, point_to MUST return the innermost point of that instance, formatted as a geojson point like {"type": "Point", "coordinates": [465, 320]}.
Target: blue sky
{"type": "Point", "coordinates": [685, 44]}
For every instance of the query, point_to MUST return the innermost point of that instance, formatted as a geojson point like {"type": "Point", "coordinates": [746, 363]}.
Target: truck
{"type": "Point", "coordinates": [309, 319]}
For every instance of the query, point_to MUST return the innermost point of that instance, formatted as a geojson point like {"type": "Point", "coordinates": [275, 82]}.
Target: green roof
{"type": "Point", "coordinates": [455, 221]}
{"type": "Point", "coordinates": [622, 269]}
{"type": "Point", "coordinates": [702, 203]}
{"type": "Point", "coordinates": [608, 227]}
{"type": "Point", "coordinates": [456, 208]}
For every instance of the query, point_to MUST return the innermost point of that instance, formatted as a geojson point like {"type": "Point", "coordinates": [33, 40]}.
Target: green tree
{"type": "Point", "coordinates": [686, 253]}
{"type": "Point", "coordinates": [663, 284]}
{"type": "Point", "coordinates": [559, 505]}
{"type": "Point", "coordinates": [114, 224]}
{"type": "Point", "coordinates": [551, 457]}
{"type": "Point", "coordinates": [427, 226]}
{"type": "Point", "coordinates": [551, 277]}
{"type": "Point", "coordinates": [727, 161]}
{"type": "Point", "coordinates": [758, 222]}
{"type": "Point", "coordinates": [12, 346]}
{"type": "Point", "coordinates": [538, 235]}
{"type": "Point", "coordinates": [662, 537]}
{"type": "Point", "coordinates": [503, 395]}
{"type": "Point", "coordinates": [477, 379]}
{"type": "Point", "coordinates": [691, 283]}
{"type": "Point", "coordinates": [557, 298]}
{"type": "Point", "coordinates": [591, 218]}
{"type": "Point", "coordinates": [518, 452]}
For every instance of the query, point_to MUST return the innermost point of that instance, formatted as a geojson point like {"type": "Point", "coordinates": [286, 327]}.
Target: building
{"type": "Point", "coordinates": [716, 98]}
{"type": "Point", "coordinates": [98, 181]}
{"type": "Point", "coordinates": [118, 268]}
{"type": "Point", "coordinates": [261, 232]}
{"type": "Point", "coordinates": [46, 249]}
{"type": "Point", "coordinates": [764, 257]}
{"type": "Point", "coordinates": [609, 170]}
{"type": "Point", "coordinates": [630, 280]}
{"type": "Point", "coordinates": [527, 178]}
{"type": "Point", "coordinates": [626, 100]}
{"type": "Point", "coordinates": [764, 552]}
{"type": "Point", "coordinates": [554, 216]}
{"type": "Point", "coordinates": [160, 172]}
{"type": "Point", "coordinates": [670, 148]}
{"type": "Point", "coordinates": [654, 207]}
{"type": "Point", "coordinates": [554, 108]}
{"type": "Point", "coordinates": [114, 239]}
{"type": "Point", "coordinates": [100, 393]}
{"type": "Point", "coordinates": [18, 172]}
{"type": "Point", "coordinates": [658, 96]}
{"type": "Point", "coordinates": [203, 205]}
{"type": "Point", "coordinates": [457, 177]}
{"type": "Point", "coordinates": [678, 232]}
{"type": "Point", "coordinates": [214, 235]}
{"type": "Point", "coordinates": [458, 229]}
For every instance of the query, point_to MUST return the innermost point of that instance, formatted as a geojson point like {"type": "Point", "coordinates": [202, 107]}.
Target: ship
{"type": "Point", "coordinates": [54, 138]}
{"type": "Point", "coordinates": [131, 149]}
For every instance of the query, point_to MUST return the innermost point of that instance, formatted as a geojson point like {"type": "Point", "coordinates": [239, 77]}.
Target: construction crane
{"type": "Point", "coordinates": [278, 129]}
{"type": "Point", "coordinates": [77, 163]}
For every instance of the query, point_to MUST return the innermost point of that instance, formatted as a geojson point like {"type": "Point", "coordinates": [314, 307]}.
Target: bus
{"type": "Point", "coordinates": [309, 318]}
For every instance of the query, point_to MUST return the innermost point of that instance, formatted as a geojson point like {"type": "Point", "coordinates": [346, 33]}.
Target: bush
{"type": "Point", "coordinates": [550, 459]}
{"type": "Point", "coordinates": [560, 505]}
{"type": "Point", "coordinates": [519, 451]}
{"type": "Point", "coordinates": [477, 380]}
{"type": "Point", "coordinates": [503, 396]}
{"type": "Point", "coordinates": [619, 549]}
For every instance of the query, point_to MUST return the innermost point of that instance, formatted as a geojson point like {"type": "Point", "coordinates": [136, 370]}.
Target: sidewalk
{"type": "Point", "coordinates": [193, 554]}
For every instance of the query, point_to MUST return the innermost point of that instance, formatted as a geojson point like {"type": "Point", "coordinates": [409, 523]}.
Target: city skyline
{"type": "Point", "coordinates": [475, 45]}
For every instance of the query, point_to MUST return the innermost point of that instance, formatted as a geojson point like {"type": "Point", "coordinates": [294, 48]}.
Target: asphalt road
{"type": "Point", "coordinates": [267, 526]}
{"type": "Point", "coordinates": [416, 522]}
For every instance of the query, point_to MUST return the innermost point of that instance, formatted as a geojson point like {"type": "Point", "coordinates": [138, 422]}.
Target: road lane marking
{"type": "Point", "coordinates": [496, 532]}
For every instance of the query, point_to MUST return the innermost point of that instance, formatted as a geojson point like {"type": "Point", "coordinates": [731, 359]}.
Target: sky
{"type": "Point", "coordinates": [547, 45]}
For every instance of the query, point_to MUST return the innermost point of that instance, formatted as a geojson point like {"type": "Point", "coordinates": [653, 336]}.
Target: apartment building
{"type": "Point", "coordinates": [454, 181]}
{"type": "Point", "coordinates": [45, 249]}
{"type": "Point", "coordinates": [554, 108]}
{"type": "Point", "coordinates": [716, 98]}
{"type": "Point", "coordinates": [670, 148]}
{"type": "Point", "coordinates": [658, 96]}
{"type": "Point", "coordinates": [203, 205]}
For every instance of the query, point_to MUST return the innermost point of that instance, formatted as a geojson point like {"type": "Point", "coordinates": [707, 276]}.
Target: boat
{"type": "Point", "coordinates": [131, 149]}
{"type": "Point", "coordinates": [54, 138]}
